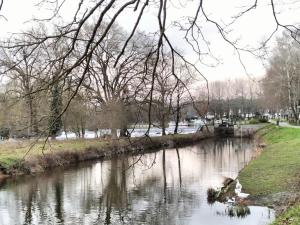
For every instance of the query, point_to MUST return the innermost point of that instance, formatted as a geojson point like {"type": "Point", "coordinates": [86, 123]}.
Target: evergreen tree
{"type": "Point", "coordinates": [55, 121]}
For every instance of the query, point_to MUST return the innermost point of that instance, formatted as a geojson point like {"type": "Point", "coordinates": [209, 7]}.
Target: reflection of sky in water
{"type": "Point", "coordinates": [167, 187]}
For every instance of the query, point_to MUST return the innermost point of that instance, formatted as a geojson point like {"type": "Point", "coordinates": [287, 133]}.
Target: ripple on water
{"type": "Point", "coordinates": [166, 187]}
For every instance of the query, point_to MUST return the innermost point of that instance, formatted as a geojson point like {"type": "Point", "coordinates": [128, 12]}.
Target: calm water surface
{"type": "Point", "coordinates": [166, 187]}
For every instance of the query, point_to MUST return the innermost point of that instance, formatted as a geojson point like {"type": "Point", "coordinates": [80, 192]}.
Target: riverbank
{"type": "Point", "coordinates": [273, 178]}
{"type": "Point", "coordinates": [17, 159]}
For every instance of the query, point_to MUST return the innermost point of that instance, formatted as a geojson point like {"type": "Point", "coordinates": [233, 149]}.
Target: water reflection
{"type": "Point", "coordinates": [166, 187]}
{"type": "Point", "coordinates": [238, 211]}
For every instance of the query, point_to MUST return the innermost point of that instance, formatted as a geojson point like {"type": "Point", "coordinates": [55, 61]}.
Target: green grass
{"type": "Point", "coordinates": [13, 152]}
{"type": "Point", "coordinates": [290, 217]}
{"type": "Point", "coordinates": [277, 169]}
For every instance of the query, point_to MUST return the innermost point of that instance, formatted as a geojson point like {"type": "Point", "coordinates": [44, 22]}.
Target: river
{"type": "Point", "coordinates": [165, 187]}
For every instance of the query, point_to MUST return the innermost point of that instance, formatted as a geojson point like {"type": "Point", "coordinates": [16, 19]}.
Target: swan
{"type": "Point", "coordinates": [238, 190]}
{"type": "Point", "coordinates": [238, 187]}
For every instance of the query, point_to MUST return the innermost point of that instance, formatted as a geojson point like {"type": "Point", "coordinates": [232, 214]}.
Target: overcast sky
{"type": "Point", "coordinates": [250, 30]}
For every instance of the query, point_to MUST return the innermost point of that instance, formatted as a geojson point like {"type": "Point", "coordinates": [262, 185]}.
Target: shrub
{"type": "Point", "coordinates": [263, 120]}
{"type": "Point", "coordinates": [4, 132]}
{"type": "Point", "coordinates": [253, 121]}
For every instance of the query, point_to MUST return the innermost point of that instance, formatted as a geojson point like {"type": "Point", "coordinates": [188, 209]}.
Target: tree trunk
{"type": "Point", "coordinates": [163, 118]}
{"type": "Point", "coordinates": [82, 132]}
{"type": "Point", "coordinates": [163, 124]}
{"type": "Point", "coordinates": [177, 114]}
{"type": "Point", "coordinates": [33, 127]}
{"type": "Point", "coordinates": [65, 130]}
{"type": "Point", "coordinates": [82, 125]}
{"type": "Point", "coordinates": [114, 133]}
{"type": "Point", "coordinates": [291, 95]}
{"type": "Point", "coordinates": [78, 131]}
{"type": "Point", "coordinates": [55, 121]}
{"type": "Point", "coordinates": [124, 132]}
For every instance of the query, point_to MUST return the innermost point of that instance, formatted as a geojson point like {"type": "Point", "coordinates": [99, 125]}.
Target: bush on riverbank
{"type": "Point", "coordinates": [253, 121]}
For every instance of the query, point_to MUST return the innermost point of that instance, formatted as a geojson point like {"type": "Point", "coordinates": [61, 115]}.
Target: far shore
{"type": "Point", "coordinates": [16, 158]}
{"type": "Point", "coordinates": [27, 157]}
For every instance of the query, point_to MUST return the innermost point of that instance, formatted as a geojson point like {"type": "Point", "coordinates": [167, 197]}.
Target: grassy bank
{"type": "Point", "coordinates": [290, 217]}
{"type": "Point", "coordinates": [15, 158]}
{"type": "Point", "coordinates": [274, 177]}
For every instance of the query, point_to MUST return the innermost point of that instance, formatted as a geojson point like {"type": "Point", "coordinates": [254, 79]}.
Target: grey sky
{"type": "Point", "coordinates": [251, 29]}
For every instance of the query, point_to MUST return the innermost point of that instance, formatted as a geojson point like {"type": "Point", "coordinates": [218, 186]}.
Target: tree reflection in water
{"type": "Point", "coordinates": [166, 187]}
{"type": "Point", "coordinates": [58, 186]}
{"type": "Point", "coordinates": [236, 211]}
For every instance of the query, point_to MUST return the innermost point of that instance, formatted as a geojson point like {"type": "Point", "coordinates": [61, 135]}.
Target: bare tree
{"type": "Point", "coordinates": [283, 77]}
{"type": "Point", "coordinates": [105, 15]}
{"type": "Point", "coordinates": [163, 92]}
{"type": "Point", "coordinates": [180, 95]}
{"type": "Point", "coordinates": [24, 68]}
{"type": "Point", "coordinates": [110, 87]}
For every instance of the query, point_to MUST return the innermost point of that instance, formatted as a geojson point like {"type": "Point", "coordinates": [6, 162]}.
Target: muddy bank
{"type": "Point", "coordinates": [34, 164]}
{"type": "Point", "coordinates": [280, 201]}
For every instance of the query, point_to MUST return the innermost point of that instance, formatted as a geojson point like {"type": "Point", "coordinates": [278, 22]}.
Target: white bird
{"type": "Point", "coordinates": [243, 195]}
{"type": "Point", "coordinates": [231, 200]}
{"type": "Point", "coordinates": [238, 190]}
{"type": "Point", "coordinates": [238, 187]}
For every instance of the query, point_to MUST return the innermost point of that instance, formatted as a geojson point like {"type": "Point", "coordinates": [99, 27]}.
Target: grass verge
{"type": "Point", "coordinates": [273, 177]}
